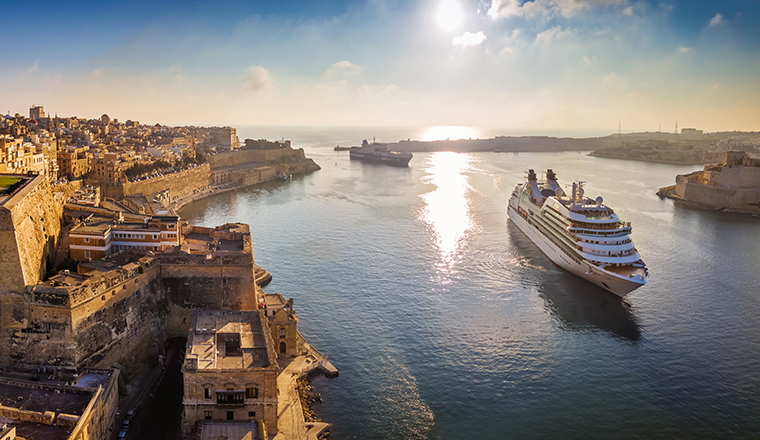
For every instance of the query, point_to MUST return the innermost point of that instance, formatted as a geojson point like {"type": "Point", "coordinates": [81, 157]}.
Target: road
{"type": "Point", "coordinates": [158, 415]}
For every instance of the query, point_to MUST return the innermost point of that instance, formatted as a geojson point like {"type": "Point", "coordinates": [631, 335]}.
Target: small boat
{"type": "Point", "coordinates": [282, 176]}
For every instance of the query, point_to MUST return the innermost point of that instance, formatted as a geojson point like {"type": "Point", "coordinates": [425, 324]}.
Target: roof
{"type": "Point", "coordinates": [229, 340]}
{"type": "Point", "coordinates": [230, 431]}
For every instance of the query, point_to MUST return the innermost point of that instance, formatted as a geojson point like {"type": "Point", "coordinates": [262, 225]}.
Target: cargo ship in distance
{"type": "Point", "coordinates": [379, 153]}
{"type": "Point", "coordinates": [579, 234]}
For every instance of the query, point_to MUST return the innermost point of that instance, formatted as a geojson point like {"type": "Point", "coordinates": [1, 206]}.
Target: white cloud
{"type": "Point", "coordinates": [718, 19]}
{"type": "Point", "coordinates": [547, 8]}
{"type": "Point", "coordinates": [99, 71]}
{"type": "Point", "coordinates": [258, 79]}
{"type": "Point", "coordinates": [684, 49]}
{"type": "Point", "coordinates": [341, 69]}
{"type": "Point", "coordinates": [628, 12]}
{"type": "Point", "coordinates": [553, 34]}
{"type": "Point", "coordinates": [585, 60]}
{"type": "Point", "coordinates": [470, 39]}
{"type": "Point", "coordinates": [35, 67]}
{"type": "Point", "coordinates": [609, 78]}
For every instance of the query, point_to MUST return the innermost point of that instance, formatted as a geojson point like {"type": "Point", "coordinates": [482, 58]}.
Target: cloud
{"type": "Point", "coordinates": [628, 12]}
{"type": "Point", "coordinates": [556, 33]}
{"type": "Point", "coordinates": [547, 8]}
{"type": "Point", "coordinates": [341, 69]}
{"type": "Point", "coordinates": [99, 71]}
{"type": "Point", "coordinates": [684, 49]}
{"type": "Point", "coordinates": [469, 39]}
{"type": "Point", "coordinates": [35, 67]}
{"type": "Point", "coordinates": [718, 19]}
{"type": "Point", "coordinates": [585, 60]}
{"type": "Point", "coordinates": [258, 79]}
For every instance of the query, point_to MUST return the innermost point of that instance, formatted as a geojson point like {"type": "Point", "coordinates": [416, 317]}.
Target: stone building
{"type": "Point", "coordinates": [733, 184]}
{"type": "Point", "coordinates": [98, 236]}
{"type": "Point", "coordinates": [283, 324]}
{"type": "Point", "coordinates": [230, 372]}
{"type": "Point", "coordinates": [58, 404]}
{"type": "Point", "coordinates": [74, 162]}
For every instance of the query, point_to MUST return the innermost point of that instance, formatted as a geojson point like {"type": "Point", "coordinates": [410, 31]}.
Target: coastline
{"type": "Point", "coordinates": [176, 205]}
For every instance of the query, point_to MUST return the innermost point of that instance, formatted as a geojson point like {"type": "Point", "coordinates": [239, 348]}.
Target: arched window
{"type": "Point", "coordinates": [283, 348]}
{"type": "Point", "coordinates": [282, 333]}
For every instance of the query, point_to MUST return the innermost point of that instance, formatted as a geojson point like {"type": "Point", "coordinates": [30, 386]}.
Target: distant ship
{"type": "Point", "coordinates": [379, 153]}
{"type": "Point", "coordinates": [579, 234]}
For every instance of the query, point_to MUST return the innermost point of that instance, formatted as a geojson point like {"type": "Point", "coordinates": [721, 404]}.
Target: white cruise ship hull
{"type": "Point", "coordinates": [609, 281]}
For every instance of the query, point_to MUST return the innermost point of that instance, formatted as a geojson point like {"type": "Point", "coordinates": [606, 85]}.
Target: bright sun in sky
{"type": "Point", "coordinates": [449, 14]}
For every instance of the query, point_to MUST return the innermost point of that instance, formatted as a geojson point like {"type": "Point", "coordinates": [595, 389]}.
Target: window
{"type": "Point", "coordinates": [230, 397]}
{"type": "Point", "coordinates": [207, 414]}
{"type": "Point", "coordinates": [282, 333]}
{"type": "Point", "coordinates": [251, 414]}
{"type": "Point", "coordinates": [230, 415]}
{"type": "Point", "coordinates": [86, 240]}
{"type": "Point", "coordinates": [207, 393]}
{"type": "Point", "coordinates": [87, 253]}
{"type": "Point", "coordinates": [251, 393]}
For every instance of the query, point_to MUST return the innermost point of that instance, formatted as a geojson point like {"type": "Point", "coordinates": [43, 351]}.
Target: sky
{"type": "Point", "coordinates": [512, 65]}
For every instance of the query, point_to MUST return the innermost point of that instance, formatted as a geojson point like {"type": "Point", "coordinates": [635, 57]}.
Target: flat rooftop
{"type": "Point", "coordinates": [228, 340]}
{"type": "Point", "coordinates": [230, 431]}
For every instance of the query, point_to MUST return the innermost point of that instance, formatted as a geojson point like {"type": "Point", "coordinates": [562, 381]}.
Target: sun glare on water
{"type": "Point", "coordinates": [447, 209]}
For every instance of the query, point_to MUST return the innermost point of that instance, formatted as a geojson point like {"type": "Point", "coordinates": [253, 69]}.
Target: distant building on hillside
{"type": "Point", "coordinates": [36, 112]}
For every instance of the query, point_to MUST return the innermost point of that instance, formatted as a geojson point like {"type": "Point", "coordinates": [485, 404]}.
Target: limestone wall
{"type": "Point", "coordinates": [235, 158]}
{"type": "Point", "coordinates": [715, 196]}
{"type": "Point", "coordinates": [183, 182]}
{"type": "Point", "coordinates": [735, 177]}
{"type": "Point", "coordinates": [219, 283]}
{"type": "Point", "coordinates": [30, 225]}
{"type": "Point", "coordinates": [105, 320]}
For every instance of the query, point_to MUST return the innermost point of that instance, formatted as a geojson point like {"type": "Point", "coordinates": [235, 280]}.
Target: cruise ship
{"type": "Point", "coordinates": [379, 153]}
{"type": "Point", "coordinates": [581, 235]}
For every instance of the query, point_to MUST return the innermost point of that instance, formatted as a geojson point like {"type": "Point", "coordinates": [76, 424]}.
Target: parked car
{"type": "Point", "coordinates": [123, 433]}
{"type": "Point", "coordinates": [131, 413]}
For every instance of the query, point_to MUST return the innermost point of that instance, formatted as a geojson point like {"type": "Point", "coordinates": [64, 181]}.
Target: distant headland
{"type": "Point", "coordinates": [690, 146]}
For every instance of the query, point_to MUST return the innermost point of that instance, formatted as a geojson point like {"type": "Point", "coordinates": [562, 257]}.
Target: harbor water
{"type": "Point", "coordinates": [446, 322]}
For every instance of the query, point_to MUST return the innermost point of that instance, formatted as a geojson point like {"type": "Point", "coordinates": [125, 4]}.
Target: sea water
{"type": "Point", "coordinates": [446, 322]}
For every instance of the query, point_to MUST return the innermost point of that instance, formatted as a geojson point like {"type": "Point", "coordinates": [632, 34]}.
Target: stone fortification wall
{"type": "Point", "coordinates": [68, 188]}
{"type": "Point", "coordinates": [299, 167]}
{"type": "Point", "coordinates": [110, 318]}
{"type": "Point", "coordinates": [194, 282]}
{"type": "Point", "coordinates": [30, 226]}
{"type": "Point", "coordinates": [235, 158]}
{"type": "Point", "coordinates": [735, 177]}
{"type": "Point", "coordinates": [715, 196]}
{"type": "Point", "coordinates": [183, 182]}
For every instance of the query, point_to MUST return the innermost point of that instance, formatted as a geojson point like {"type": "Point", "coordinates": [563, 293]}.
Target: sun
{"type": "Point", "coordinates": [449, 14]}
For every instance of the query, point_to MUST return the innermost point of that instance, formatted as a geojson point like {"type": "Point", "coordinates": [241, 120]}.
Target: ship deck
{"type": "Point", "coordinates": [627, 271]}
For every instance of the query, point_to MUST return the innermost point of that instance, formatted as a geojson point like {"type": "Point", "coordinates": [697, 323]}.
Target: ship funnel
{"type": "Point", "coordinates": [551, 179]}
{"type": "Point", "coordinates": [535, 191]}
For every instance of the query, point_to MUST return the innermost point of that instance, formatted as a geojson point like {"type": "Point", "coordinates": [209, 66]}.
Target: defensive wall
{"type": "Point", "coordinates": [122, 308]}
{"type": "Point", "coordinates": [30, 223]}
{"type": "Point", "coordinates": [733, 184]}
{"type": "Point", "coordinates": [240, 157]}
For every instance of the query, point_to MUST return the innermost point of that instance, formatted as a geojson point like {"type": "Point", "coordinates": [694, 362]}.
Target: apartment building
{"type": "Point", "coordinates": [98, 237]}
